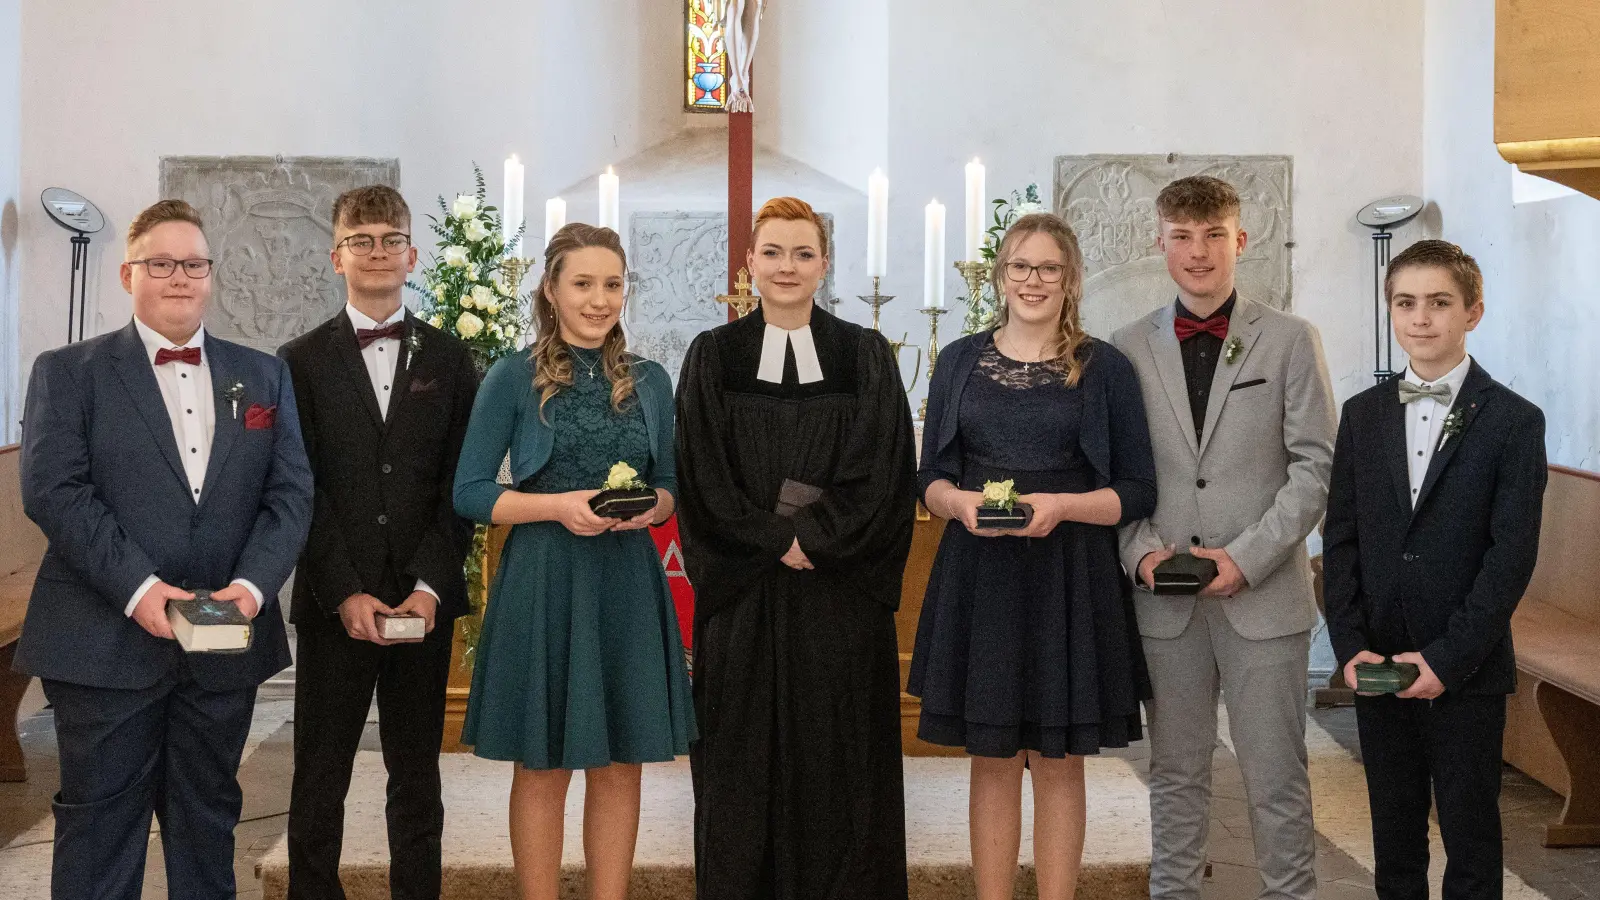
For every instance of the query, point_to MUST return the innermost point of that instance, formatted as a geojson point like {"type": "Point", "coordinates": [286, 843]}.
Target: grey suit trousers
{"type": "Point", "coordinates": [1263, 686]}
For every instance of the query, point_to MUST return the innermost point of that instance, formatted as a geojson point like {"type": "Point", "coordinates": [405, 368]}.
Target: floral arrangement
{"type": "Point", "coordinates": [464, 287]}
{"type": "Point", "coordinates": [984, 307]}
{"type": "Point", "coordinates": [624, 477]}
{"type": "Point", "coordinates": [1001, 494]}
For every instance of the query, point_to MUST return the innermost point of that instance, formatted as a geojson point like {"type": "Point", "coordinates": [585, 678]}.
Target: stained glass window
{"type": "Point", "coordinates": [707, 57]}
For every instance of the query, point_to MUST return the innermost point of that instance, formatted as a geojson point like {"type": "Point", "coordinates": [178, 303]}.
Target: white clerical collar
{"type": "Point", "coordinates": [1454, 378]}
{"type": "Point", "coordinates": [361, 320]}
{"type": "Point", "coordinates": [153, 340]}
{"type": "Point", "coordinates": [773, 344]}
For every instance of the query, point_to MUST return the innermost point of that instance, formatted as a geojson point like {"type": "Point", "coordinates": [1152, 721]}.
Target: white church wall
{"type": "Point", "coordinates": [1541, 271]}
{"type": "Point", "coordinates": [10, 205]}
{"type": "Point", "coordinates": [436, 85]}
{"type": "Point", "coordinates": [1337, 87]}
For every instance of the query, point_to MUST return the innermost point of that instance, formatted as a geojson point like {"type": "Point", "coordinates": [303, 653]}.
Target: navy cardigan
{"type": "Point", "coordinates": [1114, 437]}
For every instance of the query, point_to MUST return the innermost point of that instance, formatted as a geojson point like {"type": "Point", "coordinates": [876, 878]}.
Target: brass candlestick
{"type": "Point", "coordinates": [975, 273]}
{"type": "Point", "coordinates": [876, 301]}
{"type": "Point", "coordinates": [933, 313]}
{"type": "Point", "coordinates": [513, 268]}
{"type": "Point", "coordinates": [742, 300]}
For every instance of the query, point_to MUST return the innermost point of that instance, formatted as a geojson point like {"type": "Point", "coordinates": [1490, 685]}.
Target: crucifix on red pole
{"type": "Point", "coordinates": [741, 175]}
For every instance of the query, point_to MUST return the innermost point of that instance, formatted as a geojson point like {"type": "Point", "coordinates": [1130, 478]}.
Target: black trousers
{"type": "Point", "coordinates": [172, 749]}
{"type": "Point", "coordinates": [335, 677]}
{"type": "Point", "coordinates": [1445, 753]}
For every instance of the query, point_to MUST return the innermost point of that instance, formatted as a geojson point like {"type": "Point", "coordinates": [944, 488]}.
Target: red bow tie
{"type": "Point", "coordinates": [365, 336]}
{"type": "Point", "coordinates": [1216, 326]}
{"type": "Point", "coordinates": [190, 355]}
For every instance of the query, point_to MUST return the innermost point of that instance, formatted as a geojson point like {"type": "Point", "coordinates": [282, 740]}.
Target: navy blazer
{"type": "Point", "coordinates": [1442, 578]}
{"type": "Point", "coordinates": [102, 478]}
{"type": "Point", "coordinates": [1114, 436]}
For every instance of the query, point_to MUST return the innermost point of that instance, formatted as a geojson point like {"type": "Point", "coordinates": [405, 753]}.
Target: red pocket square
{"type": "Point", "coordinates": [258, 416]}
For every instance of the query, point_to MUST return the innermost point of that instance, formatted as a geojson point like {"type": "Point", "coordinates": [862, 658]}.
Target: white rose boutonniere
{"type": "Point", "coordinates": [465, 207]}
{"type": "Point", "coordinates": [623, 477]}
{"type": "Point", "coordinates": [455, 256]}
{"type": "Point", "coordinates": [468, 325]}
{"type": "Point", "coordinates": [1230, 353]}
{"type": "Point", "coordinates": [475, 230]}
{"type": "Point", "coordinates": [1000, 494]}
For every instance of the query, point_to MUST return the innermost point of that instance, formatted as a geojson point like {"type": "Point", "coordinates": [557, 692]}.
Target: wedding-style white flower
{"type": "Point", "coordinates": [997, 491]}
{"type": "Point", "coordinates": [465, 207]}
{"type": "Point", "coordinates": [494, 329]}
{"type": "Point", "coordinates": [511, 332]}
{"type": "Point", "coordinates": [500, 285]}
{"type": "Point", "coordinates": [493, 308]}
{"type": "Point", "coordinates": [455, 256]}
{"type": "Point", "coordinates": [621, 476]}
{"type": "Point", "coordinates": [472, 275]}
{"type": "Point", "coordinates": [436, 321]}
{"type": "Point", "coordinates": [468, 325]}
{"type": "Point", "coordinates": [483, 298]}
{"type": "Point", "coordinates": [475, 230]}
{"type": "Point", "coordinates": [466, 301]}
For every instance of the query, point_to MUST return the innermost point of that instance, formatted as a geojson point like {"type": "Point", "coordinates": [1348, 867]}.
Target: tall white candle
{"type": "Point", "coordinates": [933, 256]}
{"type": "Point", "coordinates": [610, 201]}
{"type": "Point", "coordinates": [877, 224]}
{"type": "Point", "coordinates": [977, 211]}
{"type": "Point", "coordinates": [511, 214]}
{"type": "Point", "coordinates": [555, 217]}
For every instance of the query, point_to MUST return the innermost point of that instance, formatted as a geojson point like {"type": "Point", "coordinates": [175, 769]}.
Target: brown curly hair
{"type": "Point", "coordinates": [552, 357]}
{"type": "Point", "coordinates": [1063, 351]}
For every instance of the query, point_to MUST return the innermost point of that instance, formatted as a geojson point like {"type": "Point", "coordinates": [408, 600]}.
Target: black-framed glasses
{"type": "Point", "coordinates": [1049, 273]}
{"type": "Point", "coordinates": [362, 244]}
{"type": "Point", "coordinates": [161, 267]}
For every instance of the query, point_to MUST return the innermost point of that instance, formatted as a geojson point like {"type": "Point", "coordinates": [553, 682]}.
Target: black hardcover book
{"type": "Point", "coordinates": [1184, 574]}
{"type": "Point", "coordinates": [204, 625]}
{"type": "Point", "coordinates": [794, 496]}
{"type": "Point", "coordinates": [1387, 677]}
{"type": "Point", "coordinates": [1020, 515]}
{"type": "Point", "coordinates": [623, 503]}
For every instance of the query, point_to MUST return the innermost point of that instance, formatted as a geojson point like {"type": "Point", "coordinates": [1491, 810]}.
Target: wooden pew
{"type": "Point", "coordinates": [21, 548]}
{"type": "Point", "coordinates": [1553, 719]}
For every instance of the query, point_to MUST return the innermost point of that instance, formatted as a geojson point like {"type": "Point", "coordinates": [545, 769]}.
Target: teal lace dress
{"type": "Point", "coordinates": [580, 663]}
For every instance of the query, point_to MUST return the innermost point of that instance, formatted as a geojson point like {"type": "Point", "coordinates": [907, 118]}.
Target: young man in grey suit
{"type": "Point", "coordinates": [1242, 422]}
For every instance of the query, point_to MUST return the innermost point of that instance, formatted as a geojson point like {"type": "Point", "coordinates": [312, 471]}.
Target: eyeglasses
{"type": "Point", "coordinates": [1049, 273]}
{"type": "Point", "coordinates": [362, 244]}
{"type": "Point", "coordinates": [163, 268]}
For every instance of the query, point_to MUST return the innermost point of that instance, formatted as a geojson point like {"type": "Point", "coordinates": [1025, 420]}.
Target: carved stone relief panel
{"type": "Point", "coordinates": [679, 263]}
{"type": "Point", "coordinates": [1110, 201]}
{"type": "Point", "coordinates": [269, 222]}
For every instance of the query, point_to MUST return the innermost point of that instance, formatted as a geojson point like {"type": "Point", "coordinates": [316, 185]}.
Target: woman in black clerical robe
{"type": "Point", "coordinates": [798, 494]}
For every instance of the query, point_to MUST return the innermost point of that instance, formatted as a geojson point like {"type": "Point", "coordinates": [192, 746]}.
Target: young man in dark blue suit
{"type": "Point", "coordinates": [1431, 538]}
{"type": "Point", "coordinates": [156, 460]}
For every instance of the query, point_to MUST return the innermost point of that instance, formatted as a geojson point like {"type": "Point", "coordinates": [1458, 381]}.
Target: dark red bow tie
{"type": "Point", "coordinates": [1216, 326]}
{"type": "Point", "coordinates": [190, 355]}
{"type": "Point", "coordinates": [365, 336]}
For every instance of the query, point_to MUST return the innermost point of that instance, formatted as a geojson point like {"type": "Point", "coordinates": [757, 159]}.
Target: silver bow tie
{"type": "Point", "coordinates": [1410, 393]}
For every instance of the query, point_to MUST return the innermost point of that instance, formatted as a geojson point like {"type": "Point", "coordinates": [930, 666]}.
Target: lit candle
{"type": "Point", "coordinates": [977, 211]}
{"type": "Point", "coordinates": [511, 215]}
{"type": "Point", "coordinates": [933, 257]}
{"type": "Point", "coordinates": [555, 217]}
{"type": "Point", "coordinates": [610, 201]}
{"type": "Point", "coordinates": [877, 224]}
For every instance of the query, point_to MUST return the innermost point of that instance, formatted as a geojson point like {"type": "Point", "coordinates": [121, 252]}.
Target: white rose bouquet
{"type": "Point", "coordinates": [463, 289]}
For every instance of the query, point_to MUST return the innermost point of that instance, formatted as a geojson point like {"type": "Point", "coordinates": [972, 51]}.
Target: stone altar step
{"type": "Point", "coordinates": [477, 847]}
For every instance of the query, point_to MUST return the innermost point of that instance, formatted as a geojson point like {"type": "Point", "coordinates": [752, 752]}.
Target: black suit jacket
{"type": "Point", "coordinates": [1446, 578]}
{"type": "Point", "coordinates": [383, 516]}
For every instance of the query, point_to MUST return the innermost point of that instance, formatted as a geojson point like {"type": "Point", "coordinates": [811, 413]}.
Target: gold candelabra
{"type": "Point", "coordinates": [513, 268]}
{"type": "Point", "coordinates": [933, 313]}
{"type": "Point", "coordinates": [876, 301]}
{"type": "Point", "coordinates": [742, 300]}
{"type": "Point", "coordinates": [975, 273]}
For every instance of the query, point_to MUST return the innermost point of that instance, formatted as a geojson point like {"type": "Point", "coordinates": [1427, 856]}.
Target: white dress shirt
{"type": "Point", "coordinates": [186, 393]}
{"type": "Point", "coordinates": [382, 358]}
{"type": "Point", "coordinates": [773, 344]}
{"type": "Point", "coordinates": [1425, 423]}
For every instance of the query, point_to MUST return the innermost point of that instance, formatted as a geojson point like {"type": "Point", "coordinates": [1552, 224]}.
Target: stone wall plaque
{"type": "Point", "coordinates": [679, 263]}
{"type": "Point", "coordinates": [1110, 201]}
{"type": "Point", "coordinates": [268, 219]}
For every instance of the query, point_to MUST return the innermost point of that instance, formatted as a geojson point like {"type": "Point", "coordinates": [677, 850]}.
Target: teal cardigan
{"type": "Point", "coordinates": [505, 417]}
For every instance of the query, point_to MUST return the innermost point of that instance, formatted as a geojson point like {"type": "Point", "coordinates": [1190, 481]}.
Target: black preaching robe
{"type": "Point", "coordinates": [797, 773]}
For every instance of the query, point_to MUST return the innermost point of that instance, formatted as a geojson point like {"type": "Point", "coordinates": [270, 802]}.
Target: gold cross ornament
{"type": "Point", "coordinates": [741, 300]}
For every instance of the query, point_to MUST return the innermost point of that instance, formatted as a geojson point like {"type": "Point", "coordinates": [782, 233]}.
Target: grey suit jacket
{"type": "Point", "coordinates": [1255, 485]}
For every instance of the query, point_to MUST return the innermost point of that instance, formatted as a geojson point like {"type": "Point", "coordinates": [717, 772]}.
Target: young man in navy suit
{"type": "Point", "coordinates": [1431, 538]}
{"type": "Point", "coordinates": [156, 460]}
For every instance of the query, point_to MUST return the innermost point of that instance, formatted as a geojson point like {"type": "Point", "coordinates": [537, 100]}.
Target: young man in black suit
{"type": "Point", "coordinates": [1431, 538]}
{"type": "Point", "coordinates": [385, 400]}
